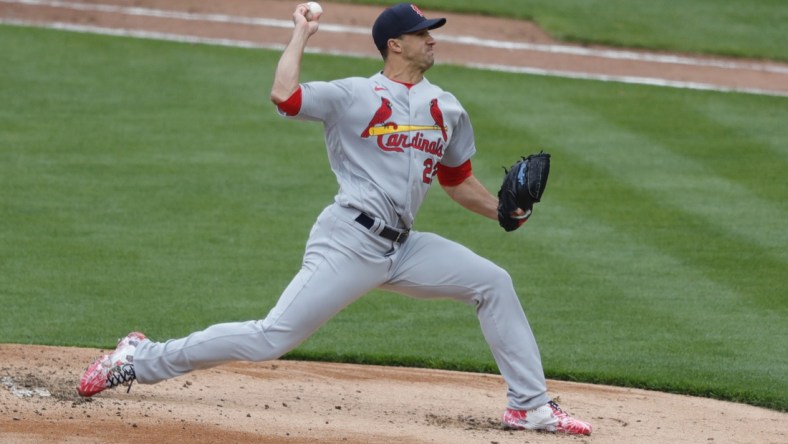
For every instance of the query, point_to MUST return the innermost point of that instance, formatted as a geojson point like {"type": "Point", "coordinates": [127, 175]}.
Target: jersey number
{"type": "Point", "coordinates": [430, 170]}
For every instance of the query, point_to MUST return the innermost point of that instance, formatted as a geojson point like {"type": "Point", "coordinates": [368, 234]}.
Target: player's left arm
{"type": "Point", "coordinates": [465, 189]}
{"type": "Point", "coordinates": [472, 195]}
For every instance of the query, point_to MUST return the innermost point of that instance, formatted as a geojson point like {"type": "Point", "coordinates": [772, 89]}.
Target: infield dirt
{"type": "Point", "coordinates": [308, 402]}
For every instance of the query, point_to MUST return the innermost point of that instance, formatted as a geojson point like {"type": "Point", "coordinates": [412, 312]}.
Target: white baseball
{"type": "Point", "coordinates": [314, 9]}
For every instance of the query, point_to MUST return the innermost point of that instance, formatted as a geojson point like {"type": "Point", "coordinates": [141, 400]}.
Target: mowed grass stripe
{"type": "Point", "coordinates": [682, 219]}
{"type": "Point", "coordinates": [120, 180]}
{"type": "Point", "coordinates": [687, 139]}
{"type": "Point", "coordinates": [718, 219]}
{"type": "Point", "coordinates": [657, 148]}
{"type": "Point", "coordinates": [765, 132]}
{"type": "Point", "coordinates": [667, 149]}
{"type": "Point", "coordinates": [612, 293]}
{"type": "Point", "coordinates": [667, 191]}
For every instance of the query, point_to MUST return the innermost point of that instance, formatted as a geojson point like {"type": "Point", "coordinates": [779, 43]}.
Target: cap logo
{"type": "Point", "coordinates": [417, 10]}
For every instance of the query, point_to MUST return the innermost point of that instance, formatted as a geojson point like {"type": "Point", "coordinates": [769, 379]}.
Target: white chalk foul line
{"type": "Point", "coordinates": [490, 67]}
{"type": "Point", "coordinates": [502, 68]}
{"type": "Point", "coordinates": [613, 54]}
{"type": "Point", "coordinates": [181, 15]}
{"type": "Point", "coordinates": [458, 39]}
{"type": "Point", "coordinates": [651, 81]}
{"type": "Point", "coordinates": [155, 35]}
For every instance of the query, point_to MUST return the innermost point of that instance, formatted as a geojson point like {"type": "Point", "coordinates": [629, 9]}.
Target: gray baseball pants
{"type": "Point", "coordinates": [343, 261]}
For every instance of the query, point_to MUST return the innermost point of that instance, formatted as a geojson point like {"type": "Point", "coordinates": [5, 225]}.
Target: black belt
{"type": "Point", "coordinates": [388, 233]}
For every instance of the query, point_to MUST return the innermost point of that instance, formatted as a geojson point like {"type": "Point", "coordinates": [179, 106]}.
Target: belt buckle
{"type": "Point", "coordinates": [401, 236]}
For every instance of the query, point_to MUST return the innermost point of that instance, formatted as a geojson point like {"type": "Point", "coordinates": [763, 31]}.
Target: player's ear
{"type": "Point", "coordinates": [394, 45]}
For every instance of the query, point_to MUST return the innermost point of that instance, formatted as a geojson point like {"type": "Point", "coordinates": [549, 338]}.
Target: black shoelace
{"type": "Point", "coordinates": [121, 375]}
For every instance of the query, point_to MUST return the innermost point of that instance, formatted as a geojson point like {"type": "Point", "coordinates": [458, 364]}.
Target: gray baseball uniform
{"type": "Point", "coordinates": [384, 143]}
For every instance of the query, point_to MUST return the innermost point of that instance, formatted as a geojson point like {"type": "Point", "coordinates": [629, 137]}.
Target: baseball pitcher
{"type": "Point", "coordinates": [388, 137]}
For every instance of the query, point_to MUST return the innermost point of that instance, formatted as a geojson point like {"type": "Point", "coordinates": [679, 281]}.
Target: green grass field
{"type": "Point", "coordinates": [741, 28]}
{"type": "Point", "coordinates": [150, 185]}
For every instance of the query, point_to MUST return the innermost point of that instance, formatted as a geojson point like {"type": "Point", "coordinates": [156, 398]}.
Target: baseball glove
{"type": "Point", "coordinates": [522, 187]}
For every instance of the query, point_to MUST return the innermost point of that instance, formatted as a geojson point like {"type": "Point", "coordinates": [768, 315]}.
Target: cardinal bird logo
{"type": "Point", "coordinates": [381, 116]}
{"type": "Point", "coordinates": [437, 116]}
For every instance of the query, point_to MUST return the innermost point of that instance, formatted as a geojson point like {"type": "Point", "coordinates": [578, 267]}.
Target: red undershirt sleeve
{"type": "Point", "coordinates": [453, 176]}
{"type": "Point", "coordinates": [292, 105]}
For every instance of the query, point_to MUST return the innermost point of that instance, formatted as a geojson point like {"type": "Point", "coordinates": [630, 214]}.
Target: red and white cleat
{"type": "Point", "coordinates": [548, 418]}
{"type": "Point", "coordinates": [111, 370]}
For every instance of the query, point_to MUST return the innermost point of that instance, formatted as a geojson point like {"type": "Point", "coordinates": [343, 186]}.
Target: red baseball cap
{"type": "Point", "coordinates": [403, 18]}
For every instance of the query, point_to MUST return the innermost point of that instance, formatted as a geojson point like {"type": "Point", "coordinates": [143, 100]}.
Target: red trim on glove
{"type": "Point", "coordinates": [292, 105]}
{"type": "Point", "coordinates": [453, 176]}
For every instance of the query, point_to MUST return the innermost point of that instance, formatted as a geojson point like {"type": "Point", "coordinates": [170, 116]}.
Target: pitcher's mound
{"type": "Point", "coordinates": [308, 402]}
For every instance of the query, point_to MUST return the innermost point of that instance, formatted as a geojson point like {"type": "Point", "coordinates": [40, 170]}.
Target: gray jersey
{"type": "Point", "coordinates": [385, 140]}
{"type": "Point", "coordinates": [384, 144]}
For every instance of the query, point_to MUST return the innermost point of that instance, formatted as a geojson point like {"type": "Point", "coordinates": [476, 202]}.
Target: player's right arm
{"type": "Point", "coordinates": [288, 70]}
